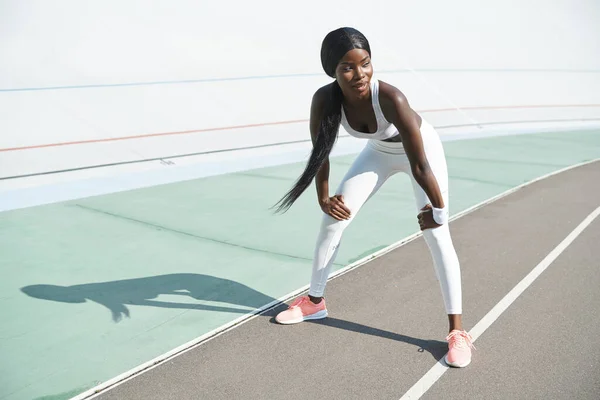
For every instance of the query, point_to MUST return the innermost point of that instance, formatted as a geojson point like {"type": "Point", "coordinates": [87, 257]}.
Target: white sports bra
{"type": "Point", "coordinates": [385, 129]}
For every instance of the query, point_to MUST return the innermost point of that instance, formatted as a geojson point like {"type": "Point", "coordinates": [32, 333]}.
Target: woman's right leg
{"type": "Point", "coordinates": [366, 175]}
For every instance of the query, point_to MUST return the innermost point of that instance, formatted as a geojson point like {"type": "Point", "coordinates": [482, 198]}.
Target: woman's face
{"type": "Point", "coordinates": [353, 74]}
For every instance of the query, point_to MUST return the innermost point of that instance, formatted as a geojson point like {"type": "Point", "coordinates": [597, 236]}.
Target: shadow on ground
{"type": "Point", "coordinates": [435, 347]}
{"type": "Point", "coordinates": [117, 295]}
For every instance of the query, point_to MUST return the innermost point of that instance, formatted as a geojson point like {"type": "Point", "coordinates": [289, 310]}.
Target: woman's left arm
{"type": "Point", "coordinates": [405, 120]}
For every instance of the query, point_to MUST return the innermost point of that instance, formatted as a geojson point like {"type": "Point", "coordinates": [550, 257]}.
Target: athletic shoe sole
{"type": "Point", "coordinates": [318, 315]}
{"type": "Point", "coordinates": [455, 365]}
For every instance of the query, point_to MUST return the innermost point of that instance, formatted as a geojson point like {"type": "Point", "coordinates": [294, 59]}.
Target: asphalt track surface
{"type": "Point", "coordinates": [386, 324]}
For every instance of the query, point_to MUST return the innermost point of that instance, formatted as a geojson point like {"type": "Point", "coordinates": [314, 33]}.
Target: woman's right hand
{"type": "Point", "coordinates": [334, 206]}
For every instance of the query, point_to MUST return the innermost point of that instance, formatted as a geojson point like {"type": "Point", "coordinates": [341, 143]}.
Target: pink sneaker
{"type": "Point", "coordinates": [459, 349]}
{"type": "Point", "coordinates": [302, 309]}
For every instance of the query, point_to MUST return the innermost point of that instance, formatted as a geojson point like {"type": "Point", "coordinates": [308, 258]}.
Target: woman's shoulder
{"type": "Point", "coordinates": [392, 101]}
{"type": "Point", "coordinates": [322, 93]}
{"type": "Point", "coordinates": [319, 102]}
{"type": "Point", "coordinates": [390, 94]}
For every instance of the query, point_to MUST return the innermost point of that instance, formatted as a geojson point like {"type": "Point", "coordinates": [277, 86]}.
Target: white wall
{"type": "Point", "coordinates": [74, 70]}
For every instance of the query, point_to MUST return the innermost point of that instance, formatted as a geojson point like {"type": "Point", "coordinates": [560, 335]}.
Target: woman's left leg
{"type": "Point", "coordinates": [445, 259]}
{"type": "Point", "coordinates": [439, 241]}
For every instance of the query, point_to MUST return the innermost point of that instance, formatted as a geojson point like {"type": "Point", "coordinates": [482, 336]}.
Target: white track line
{"type": "Point", "coordinates": [436, 372]}
{"type": "Point", "coordinates": [147, 366]}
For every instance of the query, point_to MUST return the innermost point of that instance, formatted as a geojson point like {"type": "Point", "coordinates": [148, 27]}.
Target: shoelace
{"type": "Point", "coordinates": [460, 339]}
{"type": "Point", "coordinates": [298, 302]}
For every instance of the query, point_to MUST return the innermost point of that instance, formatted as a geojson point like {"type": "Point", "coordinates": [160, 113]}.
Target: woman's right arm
{"type": "Point", "coordinates": [316, 114]}
{"type": "Point", "coordinates": [334, 206]}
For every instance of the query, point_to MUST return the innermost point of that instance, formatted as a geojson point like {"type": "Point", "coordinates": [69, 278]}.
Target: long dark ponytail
{"type": "Point", "coordinates": [335, 45]}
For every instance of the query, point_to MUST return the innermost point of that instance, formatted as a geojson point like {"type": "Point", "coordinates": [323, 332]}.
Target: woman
{"type": "Point", "coordinates": [399, 141]}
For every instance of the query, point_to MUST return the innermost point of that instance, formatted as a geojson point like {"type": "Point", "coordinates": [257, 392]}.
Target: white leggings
{"type": "Point", "coordinates": [375, 164]}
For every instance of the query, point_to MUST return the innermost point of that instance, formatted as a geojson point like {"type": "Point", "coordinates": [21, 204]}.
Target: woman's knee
{"type": "Point", "coordinates": [437, 235]}
{"type": "Point", "coordinates": [330, 224]}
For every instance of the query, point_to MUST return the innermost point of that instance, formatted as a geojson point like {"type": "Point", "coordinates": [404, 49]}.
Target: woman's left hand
{"type": "Point", "coordinates": [425, 218]}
